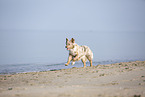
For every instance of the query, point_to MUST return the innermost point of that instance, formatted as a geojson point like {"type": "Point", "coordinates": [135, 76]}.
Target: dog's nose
{"type": "Point", "coordinates": [65, 46]}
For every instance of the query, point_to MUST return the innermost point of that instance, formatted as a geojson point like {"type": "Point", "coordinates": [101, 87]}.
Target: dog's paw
{"type": "Point", "coordinates": [66, 64]}
{"type": "Point", "coordinates": [72, 63]}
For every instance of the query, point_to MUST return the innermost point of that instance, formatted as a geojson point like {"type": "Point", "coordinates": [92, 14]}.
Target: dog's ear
{"type": "Point", "coordinates": [66, 40]}
{"type": "Point", "coordinates": [73, 40]}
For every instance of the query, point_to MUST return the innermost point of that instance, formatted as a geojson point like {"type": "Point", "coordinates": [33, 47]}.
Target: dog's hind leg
{"type": "Point", "coordinates": [90, 63]}
{"type": "Point", "coordinates": [90, 60]}
{"type": "Point", "coordinates": [84, 62]}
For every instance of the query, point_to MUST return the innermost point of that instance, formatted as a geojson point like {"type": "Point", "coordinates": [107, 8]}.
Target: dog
{"type": "Point", "coordinates": [77, 53]}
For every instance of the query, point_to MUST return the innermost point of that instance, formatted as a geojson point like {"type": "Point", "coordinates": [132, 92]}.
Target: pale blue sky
{"type": "Point", "coordinates": [113, 15]}
{"type": "Point", "coordinates": [33, 31]}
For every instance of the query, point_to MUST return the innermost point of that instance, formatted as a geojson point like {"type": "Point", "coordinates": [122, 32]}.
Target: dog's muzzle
{"type": "Point", "coordinates": [66, 48]}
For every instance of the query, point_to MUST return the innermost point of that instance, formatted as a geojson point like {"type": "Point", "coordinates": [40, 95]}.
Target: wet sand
{"type": "Point", "coordinates": [125, 79]}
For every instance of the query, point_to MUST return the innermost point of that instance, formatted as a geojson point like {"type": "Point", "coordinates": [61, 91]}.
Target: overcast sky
{"type": "Point", "coordinates": [108, 15]}
{"type": "Point", "coordinates": [41, 26]}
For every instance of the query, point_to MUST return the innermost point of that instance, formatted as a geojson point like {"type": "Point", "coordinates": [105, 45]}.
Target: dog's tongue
{"type": "Point", "coordinates": [67, 48]}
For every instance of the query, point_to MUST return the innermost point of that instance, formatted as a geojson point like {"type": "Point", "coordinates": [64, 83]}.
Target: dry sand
{"type": "Point", "coordinates": [126, 79]}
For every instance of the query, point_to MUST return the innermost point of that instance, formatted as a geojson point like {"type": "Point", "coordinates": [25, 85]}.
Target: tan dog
{"type": "Point", "coordinates": [77, 53]}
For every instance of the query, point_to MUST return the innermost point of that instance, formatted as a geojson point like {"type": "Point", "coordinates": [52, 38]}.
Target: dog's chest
{"type": "Point", "coordinates": [77, 50]}
{"type": "Point", "coordinates": [73, 52]}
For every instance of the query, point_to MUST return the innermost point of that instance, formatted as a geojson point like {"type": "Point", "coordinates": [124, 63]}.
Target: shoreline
{"type": "Point", "coordinates": [117, 79]}
{"type": "Point", "coordinates": [26, 68]}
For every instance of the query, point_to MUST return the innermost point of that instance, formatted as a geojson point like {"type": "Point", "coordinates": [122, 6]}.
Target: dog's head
{"type": "Point", "coordinates": [70, 44]}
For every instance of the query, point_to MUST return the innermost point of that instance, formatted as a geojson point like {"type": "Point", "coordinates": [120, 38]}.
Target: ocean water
{"type": "Point", "coordinates": [23, 68]}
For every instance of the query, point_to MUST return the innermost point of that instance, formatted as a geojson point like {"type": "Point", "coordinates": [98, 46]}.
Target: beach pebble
{"type": "Point", "coordinates": [10, 88]}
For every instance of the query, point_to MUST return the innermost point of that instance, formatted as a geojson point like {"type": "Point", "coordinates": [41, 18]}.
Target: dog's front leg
{"type": "Point", "coordinates": [76, 58]}
{"type": "Point", "coordinates": [69, 59]}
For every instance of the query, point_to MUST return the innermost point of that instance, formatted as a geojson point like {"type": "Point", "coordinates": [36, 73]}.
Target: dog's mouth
{"type": "Point", "coordinates": [67, 48]}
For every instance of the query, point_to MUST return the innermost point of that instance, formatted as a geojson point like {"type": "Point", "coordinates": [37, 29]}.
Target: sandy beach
{"type": "Point", "coordinates": [125, 79]}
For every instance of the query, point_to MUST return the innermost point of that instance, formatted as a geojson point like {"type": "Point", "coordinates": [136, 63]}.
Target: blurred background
{"type": "Point", "coordinates": [34, 31]}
